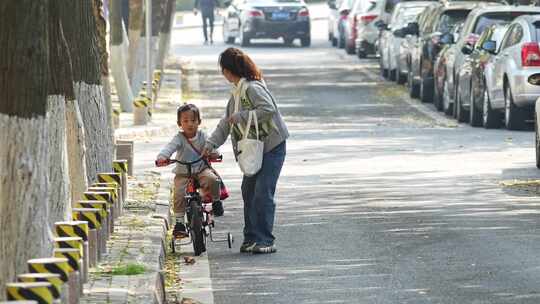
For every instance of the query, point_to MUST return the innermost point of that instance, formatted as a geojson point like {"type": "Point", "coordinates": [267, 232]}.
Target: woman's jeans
{"type": "Point", "coordinates": [258, 194]}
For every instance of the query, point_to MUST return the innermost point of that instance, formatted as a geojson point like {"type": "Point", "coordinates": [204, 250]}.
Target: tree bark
{"type": "Point", "coordinates": [24, 137]}
{"type": "Point", "coordinates": [123, 88]}
{"type": "Point", "coordinates": [165, 33]}
{"type": "Point", "coordinates": [81, 35]}
{"type": "Point", "coordinates": [134, 34]}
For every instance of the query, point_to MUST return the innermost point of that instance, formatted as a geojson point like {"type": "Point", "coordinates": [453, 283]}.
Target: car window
{"type": "Point", "coordinates": [536, 28]}
{"type": "Point", "coordinates": [486, 35]}
{"type": "Point", "coordinates": [489, 19]}
{"type": "Point", "coordinates": [513, 36]}
{"type": "Point", "coordinates": [450, 18]}
{"type": "Point", "coordinates": [367, 6]}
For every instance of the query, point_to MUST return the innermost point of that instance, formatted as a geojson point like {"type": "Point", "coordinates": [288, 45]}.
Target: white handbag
{"type": "Point", "coordinates": [250, 151]}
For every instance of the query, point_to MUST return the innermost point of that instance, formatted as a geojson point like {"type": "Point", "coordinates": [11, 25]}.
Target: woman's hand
{"type": "Point", "coordinates": [161, 162]}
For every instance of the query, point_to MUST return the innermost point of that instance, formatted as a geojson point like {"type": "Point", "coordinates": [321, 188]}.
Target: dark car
{"type": "Point", "coordinates": [274, 19]}
{"type": "Point", "coordinates": [434, 33]}
{"type": "Point", "coordinates": [472, 75]}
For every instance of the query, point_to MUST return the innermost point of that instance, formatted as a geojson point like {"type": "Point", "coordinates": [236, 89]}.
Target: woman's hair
{"type": "Point", "coordinates": [188, 107]}
{"type": "Point", "coordinates": [239, 63]}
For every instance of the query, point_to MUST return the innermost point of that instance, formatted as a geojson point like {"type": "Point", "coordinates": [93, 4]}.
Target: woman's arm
{"type": "Point", "coordinates": [221, 132]}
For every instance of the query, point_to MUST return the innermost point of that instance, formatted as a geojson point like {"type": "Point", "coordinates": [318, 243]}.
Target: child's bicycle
{"type": "Point", "coordinates": [200, 219]}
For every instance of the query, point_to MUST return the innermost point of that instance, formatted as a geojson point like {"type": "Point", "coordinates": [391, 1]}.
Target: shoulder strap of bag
{"type": "Point", "coordinates": [251, 116]}
{"type": "Point", "coordinates": [192, 146]}
{"type": "Point", "coordinates": [204, 159]}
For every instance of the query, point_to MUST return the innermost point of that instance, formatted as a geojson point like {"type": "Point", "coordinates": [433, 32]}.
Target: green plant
{"type": "Point", "coordinates": [128, 269]}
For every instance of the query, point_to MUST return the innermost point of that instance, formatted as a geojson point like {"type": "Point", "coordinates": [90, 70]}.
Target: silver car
{"type": "Point", "coordinates": [513, 76]}
{"type": "Point", "coordinates": [390, 41]}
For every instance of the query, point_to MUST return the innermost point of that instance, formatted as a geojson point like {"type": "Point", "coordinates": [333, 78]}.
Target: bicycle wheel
{"type": "Point", "coordinates": [196, 232]}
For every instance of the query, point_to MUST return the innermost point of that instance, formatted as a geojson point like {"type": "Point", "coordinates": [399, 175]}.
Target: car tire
{"type": "Point", "coordinates": [306, 41]}
{"type": "Point", "coordinates": [461, 114]}
{"type": "Point", "coordinates": [490, 118]}
{"type": "Point", "coordinates": [229, 40]}
{"type": "Point", "coordinates": [341, 41]}
{"type": "Point", "coordinates": [362, 54]}
{"type": "Point", "coordinates": [414, 89]}
{"type": "Point", "coordinates": [334, 41]}
{"type": "Point", "coordinates": [514, 118]}
{"type": "Point", "coordinates": [392, 75]}
{"type": "Point", "coordinates": [244, 39]}
{"type": "Point", "coordinates": [400, 78]}
{"type": "Point", "coordinates": [288, 41]}
{"type": "Point", "coordinates": [448, 107]}
{"type": "Point", "coordinates": [349, 49]}
{"type": "Point", "coordinates": [475, 116]}
{"type": "Point", "coordinates": [537, 142]}
{"type": "Point", "coordinates": [426, 92]}
{"type": "Point", "coordinates": [437, 98]}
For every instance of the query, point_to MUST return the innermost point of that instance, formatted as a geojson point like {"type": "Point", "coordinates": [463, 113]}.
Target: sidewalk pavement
{"type": "Point", "coordinates": [133, 270]}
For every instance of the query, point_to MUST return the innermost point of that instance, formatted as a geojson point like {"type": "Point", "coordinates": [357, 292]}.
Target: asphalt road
{"type": "Point", "coordinates": [382, 199]}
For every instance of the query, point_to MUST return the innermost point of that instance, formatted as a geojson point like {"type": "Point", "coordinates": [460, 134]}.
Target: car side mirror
{"type": "Point", "coordinates": [380, 25]}
{"type": "Point", "coordinates": [447, 38]}
{"type": "Point", "coordinates": [467, 49]}
{"type": "Point", "coordinates": [490, 46]}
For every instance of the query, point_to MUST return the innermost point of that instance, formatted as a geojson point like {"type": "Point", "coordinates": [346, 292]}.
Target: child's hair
{"type": "Point", "coordinates": [188, 107]}
{"type": "Point", "coordinates": [239, 63]}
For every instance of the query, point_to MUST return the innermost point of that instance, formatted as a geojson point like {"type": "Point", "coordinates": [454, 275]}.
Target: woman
{"type": "Point", "coordinates": [250, 93]}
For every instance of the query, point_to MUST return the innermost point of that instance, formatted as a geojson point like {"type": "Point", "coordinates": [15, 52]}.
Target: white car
{"type": "Point", "coordinates": [513, 76]}
{"type": "Point", "coordinates": [369, 12]}
{"type": "Point", "coordinates": [333, 17]}
{"type": "Point", "coordinates": [389, 43]}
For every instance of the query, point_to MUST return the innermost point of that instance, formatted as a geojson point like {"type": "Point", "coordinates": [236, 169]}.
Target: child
{"type": "Point", "coordinates": [189, 120]}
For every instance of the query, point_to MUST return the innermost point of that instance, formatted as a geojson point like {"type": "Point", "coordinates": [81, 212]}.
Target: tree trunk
{"type": "Point", "coordinates": [134, 33]}
{"type": "Point", "coordinates": [165, 33]}
{"type": "Point", "coordinates": [24, 137]}
{"type": "Point", "coordinates": [81, 35]}
{"type": "Point", "coordinates": [121, 81]}
{"type": "Point", "coordinates": [76, 150]}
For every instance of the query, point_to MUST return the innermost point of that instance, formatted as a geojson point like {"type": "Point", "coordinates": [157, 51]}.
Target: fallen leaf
{"type": "Point", "coordinates": [189, 260]}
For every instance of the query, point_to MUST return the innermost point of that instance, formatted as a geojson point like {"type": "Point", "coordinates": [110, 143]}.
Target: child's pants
{"type": "Point", "coordinates": [209, 183]}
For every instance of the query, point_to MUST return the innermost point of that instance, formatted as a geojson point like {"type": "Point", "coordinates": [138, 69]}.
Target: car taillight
{"type": "Point", "coordinates": [303, 12]}
{"type": "Point", "coordinates": [255, 13]}
{"type": "Point", "coordinates": [366, 19]}
{"type": "Point", "coordinates": [530, 54]}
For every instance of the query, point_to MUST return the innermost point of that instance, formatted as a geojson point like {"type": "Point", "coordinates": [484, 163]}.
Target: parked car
{"type": "Point", "coordinates": [349, 27]}
{"type": "Point", "coordinates": [471, 74]}
{"type": "Point", "coordinates": [333, 17]}
{"type": "Point", "coordinates": [393, 34]}
{"type": "Point", "coordinates": [513, 76]}
{"type": "Point", "coordinates": [435, 32]}
{"type": "Point", "coordinates": [537, 132]}
{"type": "Point", "coordinates": [250, 19]}
{"type": "Point", "coordinates": [343, 12]}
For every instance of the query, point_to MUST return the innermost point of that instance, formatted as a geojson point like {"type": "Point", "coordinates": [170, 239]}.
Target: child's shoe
{"type": "Point", "coordinates": [179, 231]}
{"type": "Point", "coordinates": [217, 207]}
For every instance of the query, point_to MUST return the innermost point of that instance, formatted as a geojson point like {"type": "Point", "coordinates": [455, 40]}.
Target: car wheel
{"type": "Point", "coordinates": [341, 41]}
{"type": "Point", "coordinates": [306, 41]}
{"type": "Point", "coordinates": [437, 98]}
{"type": "Point", "coordinates": [334, 41]}
{"type": "Point", "coordinates": [537, 142]}
{"type": "Point", "coordinates": [513, 116]}
{"type": "Point", "coordinates": [288, 41]}
{"type": "Point", "coordinates": [414, 89]}
{"type": "Point", "coordinates": [400, 78]}
{"type": "Point", "coordinates": [349, 49]}
{"type": "Point", "coordinates": [244, 39]}
{"type": "Point", "coordinates": [460, 112]}
{"type": "Point", "coordinates": [475, 116]}
{"type": "Point", "coordinates": [361, 54]}
{"type": "Point", "coordinates": [447, 104]}
{"type": "Point", "coordinates": [490, 118]}
{"type": "Point", "coordinates": [426, 92]}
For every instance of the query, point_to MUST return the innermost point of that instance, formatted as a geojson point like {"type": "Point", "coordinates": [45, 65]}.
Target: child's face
{"type": "Point", "coordinates": [189, 123]}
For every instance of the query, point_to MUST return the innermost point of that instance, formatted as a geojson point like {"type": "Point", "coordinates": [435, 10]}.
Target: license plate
{"type": "Point", "coordinates": [280, 15]}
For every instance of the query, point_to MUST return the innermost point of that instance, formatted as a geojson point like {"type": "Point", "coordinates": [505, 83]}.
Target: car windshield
{"type": "Point", "coordinates": [451, 18]}
{"type": "Point", "coordinates": [408, 15]}
{"type": "Point", "coordinates": [497, 18]}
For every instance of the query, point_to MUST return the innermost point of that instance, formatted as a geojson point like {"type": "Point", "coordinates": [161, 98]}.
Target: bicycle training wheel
{"type": "Point", "coordinates": [196, 232]}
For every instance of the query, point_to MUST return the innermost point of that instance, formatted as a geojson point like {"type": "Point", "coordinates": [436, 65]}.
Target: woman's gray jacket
{"type": "Point", "coordinates": [268, 115]}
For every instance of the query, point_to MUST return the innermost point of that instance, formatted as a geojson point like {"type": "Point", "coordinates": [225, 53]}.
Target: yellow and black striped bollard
{"type": "Point", "coordinates": [104, 196]}
{"type": "Point", "coordinates": [74, 261]}
{"type": "Point", "coordinates": [140, 111]}
{"type": "Point", "coordinates": [101, 205]}
{"type": "Point", "coordinates": [112, 189]}
{"type": "Point", "coordinates": [56, 283]}
{"type": "Point", "coordinates": [120, 166]}
{"type": "Point", "coordinates": [38, 291]}
{"type": "Point", "coordinates": [77, 229]}
{"type": "Point", "coordinates": [93, 217]}
{"type": "Point", "coordinates": [58, 266]}
{"type": "Point", "coordinates": [113, 177]}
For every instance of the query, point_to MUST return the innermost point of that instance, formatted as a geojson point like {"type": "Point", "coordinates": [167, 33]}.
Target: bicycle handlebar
{"type": "Point", "coordinates": [170, 161]}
